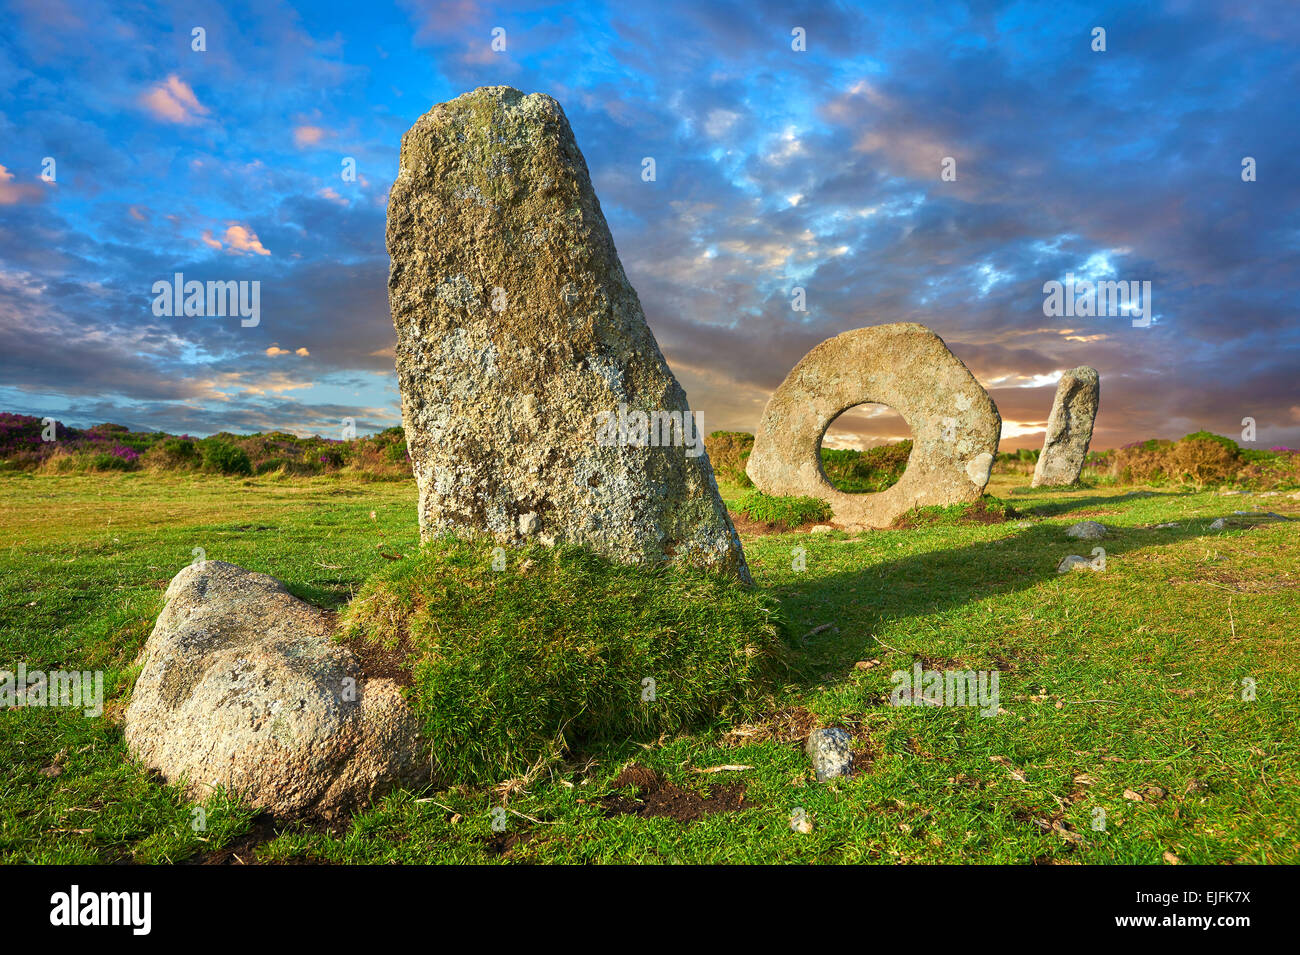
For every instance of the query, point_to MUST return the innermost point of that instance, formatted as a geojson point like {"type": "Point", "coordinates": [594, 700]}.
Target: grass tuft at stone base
{"type": "Point", "coordinates": [784, 513]}
{"type": "Point", "coordinates": [987, 510]}
{"type": "Point", "coordinates": [560, 648]}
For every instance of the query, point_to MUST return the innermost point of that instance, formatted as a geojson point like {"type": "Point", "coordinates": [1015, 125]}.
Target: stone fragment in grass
{"type": "Point", "coordinates": [242, 688]}
{"type": "Point", "coordinates": [1218, 524]}
{"type": "Point", "coordinates": [1075, 562]}
{"type": "Point", "coordinates": [831, 753]}
{"type": "Point", "coordinates": [1086, 530]}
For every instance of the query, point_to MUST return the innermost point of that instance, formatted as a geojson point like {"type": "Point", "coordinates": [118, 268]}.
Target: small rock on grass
{"type": "Point", "coordinates": [1075, 562]}
{"type": "Point", "coordinates": [831, 753]}
{"type": "Point", "coordinates": [1218, 524]}
{"type": "Point", "coordinates": [1086, 530]}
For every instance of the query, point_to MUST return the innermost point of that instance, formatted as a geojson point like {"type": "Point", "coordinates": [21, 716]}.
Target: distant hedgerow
{"type": "Point", "coordinates": [221, 457]}
{"type": "Point", "coordinates": [728, 453]}
{"type": "Point", "coordinates": [869, 471]}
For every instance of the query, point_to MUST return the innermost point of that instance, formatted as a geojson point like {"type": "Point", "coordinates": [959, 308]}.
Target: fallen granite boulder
{"type": "Point", "coordinates": [536, 402]}
{"type": "Point", "coordinates": [1069, 428]}
{"type": "Point", "coordinates": [241, 688]}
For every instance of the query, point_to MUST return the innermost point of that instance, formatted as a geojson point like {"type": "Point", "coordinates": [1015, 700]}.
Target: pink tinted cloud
{"type": "Point", "coordinates": [241, 239]}
{"type": "Point", "coordinates": [12, 193]}
{"type": "Point", "coordinates": [304, 136]}
{"type": "Point", "coordinates": [237, 240]}
{"type": "Point", "coordinates": [173, 101]}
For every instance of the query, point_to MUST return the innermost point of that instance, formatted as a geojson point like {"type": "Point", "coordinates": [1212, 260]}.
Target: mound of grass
{"type": "Point", "coordinates": [783, 512]}
{"type": "Point", "coordinates": [987, 510]}
{"type": "Point", "coordinates": [558, 647]}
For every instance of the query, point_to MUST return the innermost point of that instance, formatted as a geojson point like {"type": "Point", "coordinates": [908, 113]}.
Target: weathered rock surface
{"type": "Point", "coordinates": [955, 425]}
{"type": "Point", "coordinates": [1075, 562]}
{"type": "Point", "coordinates": [831, 753]}
{"type": "Point", "coordinates": [1069, 428]}
{"type": "Point", "coordinates": [242, 688]}
{"type": "Point", "coordinates": [1086, 530]}
{"type": "Point", "coordinates": [517, 332]}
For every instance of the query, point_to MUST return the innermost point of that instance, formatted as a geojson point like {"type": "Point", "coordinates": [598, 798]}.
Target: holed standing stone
{"type": "Point", "coordinates": [954, 422]}
{"type": "Point", "coordinates": [1069, 429]}
{"type": "Point", "coordinates": [518, 333]}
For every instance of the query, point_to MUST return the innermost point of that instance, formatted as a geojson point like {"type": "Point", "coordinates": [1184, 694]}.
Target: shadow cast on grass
{"type": "Point", "coordinates": [939, 581]}
{"type": "Point", "coordinates": [1050, 507]}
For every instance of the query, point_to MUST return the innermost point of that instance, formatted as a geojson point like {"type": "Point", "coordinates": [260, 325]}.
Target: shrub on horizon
{"type": "Point", "coordinates": [221, 457]}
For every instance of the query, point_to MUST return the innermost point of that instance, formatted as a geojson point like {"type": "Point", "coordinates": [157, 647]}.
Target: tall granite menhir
{"type": "Point", "coordinates": [517, 331]}
{"type": "Point", "coordinates": [1069, 428]}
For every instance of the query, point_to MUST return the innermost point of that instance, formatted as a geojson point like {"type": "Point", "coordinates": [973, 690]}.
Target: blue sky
{"type": "Point", "coordinates": [775, 168]}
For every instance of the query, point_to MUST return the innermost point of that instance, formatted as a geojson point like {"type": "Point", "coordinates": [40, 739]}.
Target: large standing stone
{"type": "Point", "coordinates": [517, 332]}
{"type": "Point", "coordinates": [1069, 429]}
{"type": "Point", "coordinates": [242, 689]}
{"type": "Point", "coordinates": [955, 425]}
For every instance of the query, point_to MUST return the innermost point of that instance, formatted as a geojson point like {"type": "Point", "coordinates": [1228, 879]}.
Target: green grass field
{"type": "Point", "coordinates": [1120, 691]}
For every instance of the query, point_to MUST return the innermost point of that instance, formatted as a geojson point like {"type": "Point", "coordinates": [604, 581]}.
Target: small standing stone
{"type": "Point", "coordinates": [830, 752]}
{"type": "Point", "coordinates": [243, 687]}
{"type": "Point", "coordinates": [1069, 429]}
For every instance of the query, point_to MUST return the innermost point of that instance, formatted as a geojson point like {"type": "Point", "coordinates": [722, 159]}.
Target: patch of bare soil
{"type": "Point", "coordinates": [505, 843]}
{"type": "Point", "coordinates": [656, 796]}
{"type": "Point", "coordinates": [745, 525]}
{"type": "Point", "coordinates": [243, 851]}
{"type": "Point", "coordinates": [790, 725]}
{"type": "Point", "coordinates": [379, 662]}
{"type": "Point", "coordinates": [977, 513]}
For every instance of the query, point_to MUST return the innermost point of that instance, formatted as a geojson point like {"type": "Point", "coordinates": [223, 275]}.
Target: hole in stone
{"type": "Point", "coordinates": [865, 449]}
